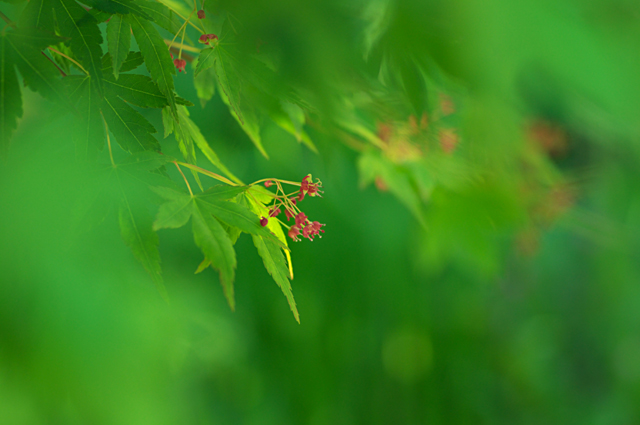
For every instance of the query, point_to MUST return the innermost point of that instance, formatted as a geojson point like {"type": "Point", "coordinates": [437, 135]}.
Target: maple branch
{"type": "Point", "coordinates": [54, 64]}
{"type": "Point", "coordinates": [183, 18]}
{"type": "Point", "coordinates": [7, 20]}
{"type": "Point", "coordinates": [106, 128]}
{"type": "Point", "coordinates": [184, 177]}
{"type": "Point", "coordinates": [68, 58]}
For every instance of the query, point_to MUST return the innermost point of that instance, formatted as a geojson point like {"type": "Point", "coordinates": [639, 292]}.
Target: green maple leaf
{"type": "Point", "coordinates": [22, 49]}
{"type": "Point", "coordinates": [161, 15]}
{"type": "Point", "coordinates": [188, 136]}
{"type": "Point", "coordinates": [156, 57]}
{"type": "Point", "coordinates": [89, 129]}
{"type": "Point", "coordinates": [204, 83]}
{"type": "Point", "coordinates": [137, 89]}
{"type": "Point", "coordinates": [37, 14]}
{"type": "Point", "coordinates": [216, 245]}
{"type": "Point", "coordinates": [270, 252]}
{"type": "Point", "coordinates": [208, 233]}
{"type": "Point", "coordinates": [133, 132]}
{"type": "Point", "coordinates": [122, 7]}
{"type": "Point", "coordinates": [131, 62]}
{"type": "Point", "coordinates": [119, 41]}
{"type": "Point", "coordinates": [82, 29]}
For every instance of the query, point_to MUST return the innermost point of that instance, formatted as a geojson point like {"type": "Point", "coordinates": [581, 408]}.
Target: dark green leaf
{"type": "Point", "coordinates": [137, 89]}
{"type": "Point", "coordinates": [274, 262]}
{"type": "Point", "coordinates": [82, 28]}
{"type": "Point", "coordinates": [89, 129]}
{"type": "Point", "coordinates": [10, 96]}
{"type": "Point", "coordinates": [119, 41]}
{"type": "Point", "coordinates": [112, 7]}
{"type": "Point", "coordinates": [133, 60]}
{"type": "Point", "coordinates": [133, 132]}
{"type": "Point", "coordinates": [37, 14]}
{"type": "Point", "coordinates": [161, 15]}
{"type": "Point", "coordinates": [215, 244]}
{"type": "Point", "coordinates": [38, 72]}
{"type": "Point", "coordinates": [156, 57]}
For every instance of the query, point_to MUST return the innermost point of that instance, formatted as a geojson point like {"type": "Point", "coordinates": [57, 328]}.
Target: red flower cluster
{"type": "Point", "coordinates": [308, 188]}
{"type": "Point", "coordinates": [206, 38]}
{"type": "Point", "coordinates": [303, 225]}
{"type": "Point", "coordinates": [309, 229]}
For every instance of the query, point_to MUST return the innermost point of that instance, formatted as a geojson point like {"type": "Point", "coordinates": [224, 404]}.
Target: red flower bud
{"type": "Point", "coordinates": [180, 64]}
{"type": "Point", "coordinates": [263, 221]}
{"type": "Point", "coordinates": [294, 232]}
{"type": "Point", "coordinates": [268, 182]}
{"type": "Point", "coordinates": [200, 14]}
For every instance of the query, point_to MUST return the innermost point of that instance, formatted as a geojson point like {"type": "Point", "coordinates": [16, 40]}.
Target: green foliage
{"type": "Point", "coordinates": [480, 165]}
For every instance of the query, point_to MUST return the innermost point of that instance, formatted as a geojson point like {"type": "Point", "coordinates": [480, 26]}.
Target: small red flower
{"type": "Point", "coordinates": [200, 14]}
{"type": "Point", "coordinates": [301, 218]}
{"type": "Point", "coordinates": [312, 229]}
{"type": "Point", "coordinates": [289, 213]}
{"type": "Point", "coordinates": [307, 187]}
{"type": "Point", "coordinates": [294, 232]}
{"type": "Point", "coordinates": [180, 64]}
{"type": "Point", "coordinates": [274, 211]}
{"type": "Point", "coordinates": [268, 183]}
{"type": "Point", "coordinates": [263, 221]}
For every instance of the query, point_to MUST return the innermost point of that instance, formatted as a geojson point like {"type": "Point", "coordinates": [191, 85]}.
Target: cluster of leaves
{"type": "Point", "coordinates": [58, 48]}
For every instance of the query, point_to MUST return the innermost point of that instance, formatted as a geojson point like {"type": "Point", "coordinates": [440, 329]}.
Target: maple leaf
{"type": "Point", "coordinates": [22, 49]}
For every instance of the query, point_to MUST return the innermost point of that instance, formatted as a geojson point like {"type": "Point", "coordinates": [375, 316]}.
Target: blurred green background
{"type": "Point", "coordinates": [490, 313]}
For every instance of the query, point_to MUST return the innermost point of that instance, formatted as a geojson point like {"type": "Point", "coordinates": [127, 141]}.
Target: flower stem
{"type": "Point", "coordinates": [106, 129]}
{"type": "Point", "coordinates": [276, 180]}
{"type": "Point", "coordinates": [208, 173]}
{"type": "Point", "coordinates": [69, 59]}
{"type": "Point", "coordinates": [184, 177]}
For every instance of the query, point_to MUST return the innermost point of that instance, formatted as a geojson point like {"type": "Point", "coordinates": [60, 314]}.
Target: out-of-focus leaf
{"type": "Point", "coordinates": [10, 96]}
{"type": "Point", "coordinates": [135, 227]}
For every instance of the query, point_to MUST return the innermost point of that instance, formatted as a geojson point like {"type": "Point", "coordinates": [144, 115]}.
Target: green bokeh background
{"type": "Point", "coordinates": [399, 324]}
